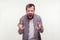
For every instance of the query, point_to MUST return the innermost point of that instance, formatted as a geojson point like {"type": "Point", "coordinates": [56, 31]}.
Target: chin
{"type": "Point", "coordinates": [30, 18]}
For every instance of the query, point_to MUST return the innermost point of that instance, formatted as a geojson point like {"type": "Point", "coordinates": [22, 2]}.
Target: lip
{"type": "Point", "coordinates": [30, 15]}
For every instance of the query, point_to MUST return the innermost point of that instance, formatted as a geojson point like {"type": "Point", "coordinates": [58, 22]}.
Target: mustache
{"type": "Point", "coordinates": [30, 15]}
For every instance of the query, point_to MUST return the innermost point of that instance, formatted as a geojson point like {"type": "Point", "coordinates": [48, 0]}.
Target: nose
{"type": "Point", "coordinates": [30, 12]}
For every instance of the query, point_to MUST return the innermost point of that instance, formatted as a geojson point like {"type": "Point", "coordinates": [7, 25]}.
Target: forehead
{"type": "Point", "coordinates": [30, 8]}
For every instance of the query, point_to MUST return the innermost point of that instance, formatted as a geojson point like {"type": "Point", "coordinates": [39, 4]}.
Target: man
{"type": "Point", "coordinates": [30, 25]}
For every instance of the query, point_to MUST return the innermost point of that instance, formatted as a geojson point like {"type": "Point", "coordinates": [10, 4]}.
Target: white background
{"type": "Point", "coordinates": [12, 10]}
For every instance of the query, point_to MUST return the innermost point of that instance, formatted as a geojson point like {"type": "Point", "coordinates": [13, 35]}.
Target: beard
{"type": "Point", "coordinates": [30, 16]}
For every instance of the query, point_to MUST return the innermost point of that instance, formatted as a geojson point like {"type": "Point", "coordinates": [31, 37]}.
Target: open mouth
{"type": "Point", "coordinates": [30, 15]}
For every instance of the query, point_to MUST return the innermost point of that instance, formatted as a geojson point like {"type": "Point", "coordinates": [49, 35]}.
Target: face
{"type": "Point", "coordinates": [30, 12]}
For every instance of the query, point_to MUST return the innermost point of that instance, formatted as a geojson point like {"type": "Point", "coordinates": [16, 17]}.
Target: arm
{"type": "Point", "coordinates": [41, 26]}
{"type": "Point", "coordinates": [20, 26]}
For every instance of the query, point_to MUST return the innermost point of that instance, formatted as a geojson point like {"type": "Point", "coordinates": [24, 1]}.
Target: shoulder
{"type": "Point", "coordinates": [37, 16]}
{"type": "Point", "coordinates": [23, 17]}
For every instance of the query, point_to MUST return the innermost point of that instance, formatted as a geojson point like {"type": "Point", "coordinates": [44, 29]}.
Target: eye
{"type": "Point", "coordinates": [31, 10]}
{"type": "Point", "coordinates": [28, 10]}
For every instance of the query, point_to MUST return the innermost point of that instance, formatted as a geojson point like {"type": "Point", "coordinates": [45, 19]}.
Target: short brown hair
{"type": "Point", "coordinates": [30, 5]}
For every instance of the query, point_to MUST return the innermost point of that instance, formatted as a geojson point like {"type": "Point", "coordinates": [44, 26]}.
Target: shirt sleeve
{"type": "Point", "coordinates": [19, 30]}
{"type": "Point", "coordinates": [40, 21]}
